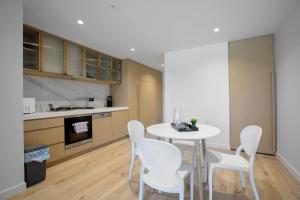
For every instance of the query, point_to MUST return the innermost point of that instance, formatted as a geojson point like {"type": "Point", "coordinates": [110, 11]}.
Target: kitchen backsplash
{"type": "Point", "coordinates": [63, 92]}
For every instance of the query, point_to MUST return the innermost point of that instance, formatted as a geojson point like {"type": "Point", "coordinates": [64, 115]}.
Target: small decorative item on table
{"type": "Point", "coordinates": [184, 127]}
{"type": "Point", "coordinates": [193, 122]}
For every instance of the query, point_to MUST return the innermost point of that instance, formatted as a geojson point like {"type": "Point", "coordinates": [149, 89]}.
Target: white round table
{"type": "Point", "coordinates": [205, 131]}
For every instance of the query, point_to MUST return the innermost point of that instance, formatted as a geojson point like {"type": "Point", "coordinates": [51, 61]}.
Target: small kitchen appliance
{"type": "Point", "coordinates": [91, 102]}
{"type": "Point", "coordinates": [109, 101]}
{"type": "Point", "coordinates": [28, 105]}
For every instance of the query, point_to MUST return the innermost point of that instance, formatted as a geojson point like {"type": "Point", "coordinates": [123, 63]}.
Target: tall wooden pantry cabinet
{"type": "Point", "coordinates": [141, 91]}
{"type": "Point", "coordinates": [252, 89]}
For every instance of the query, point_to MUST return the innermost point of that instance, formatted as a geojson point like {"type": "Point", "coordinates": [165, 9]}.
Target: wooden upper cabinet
{"type": "Point", "coordinates": [31, 49]}
{"type": "Point", "coordinates": [116, 70]}
{"type": "Point", "coordinates": [74, 58]}
{"type": "Point", "coordinates": [92, 64]}
{"type": "Point", "coordinates": [52, 54]}
{"type": "Point", "coordinates": [105, 67]}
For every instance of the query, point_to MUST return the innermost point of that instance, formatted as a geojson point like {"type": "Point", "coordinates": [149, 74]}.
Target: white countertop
{"type": "Point", "coordinates": [43, 115]}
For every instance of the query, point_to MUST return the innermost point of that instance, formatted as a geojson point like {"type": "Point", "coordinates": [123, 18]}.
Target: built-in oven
{"type": "Point", "coordinates": [78, 130]}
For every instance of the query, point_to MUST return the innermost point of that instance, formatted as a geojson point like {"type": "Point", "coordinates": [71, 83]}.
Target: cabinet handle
{"type": "Point", "coordinates": [138, 101]}
{"type": "Point", "coordinates": [273, 109]}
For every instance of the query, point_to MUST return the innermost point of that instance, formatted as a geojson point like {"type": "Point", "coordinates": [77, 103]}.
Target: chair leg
{"type": "Point", "coordinates": [210, 182]}
{"type": "Point", "coordinates": [192, 185]}
{"type": "Point", "coordinates": [181, 192]}
{"type": "Point", "coordinates": [242, 180]}
{"type": "Point", "coordinates": [251, 175]}
{"type": "Point", "coordinates": [131, 165]}
{"type": "Point", "coordinates": [141, 192]}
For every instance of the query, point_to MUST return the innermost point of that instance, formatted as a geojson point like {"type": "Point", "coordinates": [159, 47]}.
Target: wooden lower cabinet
{"type": "Point", "coordinates": [29, 138]}
{"type": "Point", "coordinates": [119, 124]}
{"type": "Point", "coordinates": [51, 132]}
{"type": "Point", "coordinates": [50, 136]}
{"type": "Point", "coordinates": [57, 151]}
{"type": "Point", "coordinates": [102, 130]}
{"type": "Point", "coordinates": [47, 136]}
{"type": "Point", "coordinates": [39, 124]}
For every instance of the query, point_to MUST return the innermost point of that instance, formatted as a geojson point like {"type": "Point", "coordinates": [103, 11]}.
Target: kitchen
{"type": "Point", "coordinates": [86, 88]}
{"type": "Point", "coordinates": [149, 99]}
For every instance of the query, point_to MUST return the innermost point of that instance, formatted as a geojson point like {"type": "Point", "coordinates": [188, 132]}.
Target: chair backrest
{"type": "Point", "coordinates": [160, 158]}
{"type": "Point", "coordinates": [136, 131]}
{"type": "Point", "coordinates": [250, 138]}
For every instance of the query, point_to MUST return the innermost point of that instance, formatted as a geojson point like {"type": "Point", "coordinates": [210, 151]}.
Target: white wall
{"type": "Point", "coordinates": [196, 80]}
{"type": "Point", "coordinates": [11, 89]}
{"type": "Point", "coordinates": [287, 44]}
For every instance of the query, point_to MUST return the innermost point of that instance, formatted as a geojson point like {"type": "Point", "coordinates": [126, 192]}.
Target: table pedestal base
{"type": "Point", "coordinates": [200, 158]}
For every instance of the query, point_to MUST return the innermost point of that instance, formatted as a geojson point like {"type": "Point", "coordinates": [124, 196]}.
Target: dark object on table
{"type": "Point", "coordinates": [184, 127]}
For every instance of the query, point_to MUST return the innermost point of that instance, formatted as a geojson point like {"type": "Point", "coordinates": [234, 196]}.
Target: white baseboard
{"type": "Point", "coordinates": [218, 146]}
{"type": "Point", "coordinates": [289, 167]}
{"type": "Point", "coordinates": [12, 190]}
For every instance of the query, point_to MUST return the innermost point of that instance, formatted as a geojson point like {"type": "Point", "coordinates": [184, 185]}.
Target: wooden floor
{"type": "Point", "coordinates": [102, 174]}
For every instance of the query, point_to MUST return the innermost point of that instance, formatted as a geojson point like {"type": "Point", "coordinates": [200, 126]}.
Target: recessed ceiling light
{"type": "Point", "coordinates": [132, 49]}
{"type": "Point", "coordinates": [162, 65]}
{"type": "Point", "coordinates": [80, 22]}
{"type": "Point", "coordinates": [216, 30]}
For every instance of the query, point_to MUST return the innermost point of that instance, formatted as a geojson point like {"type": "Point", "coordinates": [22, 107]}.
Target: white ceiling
{"type": "Point", "coordinates": [154, 27]}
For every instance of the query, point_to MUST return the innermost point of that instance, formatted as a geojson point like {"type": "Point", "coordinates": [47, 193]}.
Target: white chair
{"type": "Point", "coordinates": [250, 138]}
{"type": "Point", "coordinates": [136, 132]}
{"type": "Point", "coordinates": [162, 168]}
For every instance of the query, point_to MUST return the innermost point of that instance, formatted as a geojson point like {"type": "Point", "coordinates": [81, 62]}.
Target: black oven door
{"type": "Point", "coordinates": [78, 130]}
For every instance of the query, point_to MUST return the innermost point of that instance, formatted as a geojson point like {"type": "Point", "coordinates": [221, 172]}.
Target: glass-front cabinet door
{"type": "Point", "coordinates": [74, 60]}
{"type": "Point", "coordinates": [31, 49]}
{"type": "Point", "coordinates": [92, 67]}
{"type": "Point", "coordinates": [117, 70]}
{"type": "Point", "coordinates": [105, 67]}
{"type": "Point", "coordinates": [47, 55]}
{"type": "Point", "coordinates": [53, 54]}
